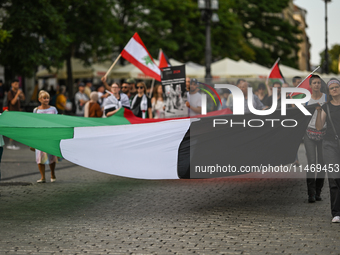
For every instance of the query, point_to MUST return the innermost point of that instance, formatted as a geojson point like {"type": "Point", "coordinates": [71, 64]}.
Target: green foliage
{"type": "Point", "coordinates": [47, 32]}
{"type": "Point", "coordinates": [267, 33]}
{"type": "Point", "coordinates": [333, 59]}
{"type": "Point", "coordinates": [227, 34]}
{"type": "Point", "coordinates": [36, 36]}
{"type": "Point", "coordinates": [5, 36]}
{"type": "Point", "coordinates": [88, 26]}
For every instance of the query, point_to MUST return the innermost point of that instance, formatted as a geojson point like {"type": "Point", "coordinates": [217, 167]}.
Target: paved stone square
{"type": "Point", "coordinates": [87, 212]}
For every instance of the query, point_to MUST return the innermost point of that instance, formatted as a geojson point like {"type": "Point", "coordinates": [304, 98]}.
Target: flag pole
{"type": "Point", "coordinates": [151, 89]}
{"type": "Point", "coordinates": [305, 79]}
{"type": "Point", "coordinates": [114, 63]}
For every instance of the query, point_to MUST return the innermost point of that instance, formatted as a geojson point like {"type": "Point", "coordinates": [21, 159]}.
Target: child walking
{"type": "Point", "coordinates": [43, 158]}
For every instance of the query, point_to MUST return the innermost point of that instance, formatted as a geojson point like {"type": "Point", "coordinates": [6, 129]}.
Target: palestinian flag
{"type": "Point", "coordinates": [129, 146]}
{"type": "Point", "coordinates": [136, 53]}
{"type": "Point", "coordinates": [275, 72]}
{"type": "Point", "coordinates": [303, 85]}
{"type": "Point", "coordinates": [163, 60]}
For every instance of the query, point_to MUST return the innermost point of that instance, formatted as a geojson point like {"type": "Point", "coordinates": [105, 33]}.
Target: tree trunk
{"type": "Point", "coordinates": [69, 81]}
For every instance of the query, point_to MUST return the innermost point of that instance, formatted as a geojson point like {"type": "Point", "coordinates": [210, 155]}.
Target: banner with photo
{"type": "Point", "coordinates": [175, 96]}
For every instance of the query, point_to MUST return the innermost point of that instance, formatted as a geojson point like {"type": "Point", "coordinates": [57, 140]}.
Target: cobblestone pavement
{"type": "Point", "coordinates": [95, 213]}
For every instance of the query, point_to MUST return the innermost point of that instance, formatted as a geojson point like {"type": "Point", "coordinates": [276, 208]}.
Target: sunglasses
{"type": "Point", "coordinates": [335, 87]}
{"type": "Point", "coordinates": [140, 87]}
{"type": "Point", "coordinates": [125, 87]}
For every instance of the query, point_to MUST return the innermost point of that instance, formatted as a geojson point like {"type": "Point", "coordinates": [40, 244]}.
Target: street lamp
{"type": "Point", "coordinates": [326, 37]}
{"type": "Point", "coordinates": [207, 7]}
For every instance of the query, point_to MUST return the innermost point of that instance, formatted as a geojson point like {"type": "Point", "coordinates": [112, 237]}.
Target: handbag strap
{"type": "Point", "coordinates": [330, 119]}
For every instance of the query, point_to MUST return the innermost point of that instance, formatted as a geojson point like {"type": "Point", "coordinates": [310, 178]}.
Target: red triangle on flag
{"type": "Point", "coordinates": [275, 72]}
{"type": "Point", "coordinates": [163, 60]}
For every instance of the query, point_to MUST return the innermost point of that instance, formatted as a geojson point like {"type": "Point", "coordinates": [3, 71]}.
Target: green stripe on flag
{"type": "Point", "coordinates": [299, 96]}
{"type": "Point", "coordinates": [45, 131]}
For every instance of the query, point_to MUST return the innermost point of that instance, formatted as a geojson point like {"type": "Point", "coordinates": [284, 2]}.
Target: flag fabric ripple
{"type": "Point", "coordinates": [136, 53]}
{"type": "Point", "coordinates": [129, 146]}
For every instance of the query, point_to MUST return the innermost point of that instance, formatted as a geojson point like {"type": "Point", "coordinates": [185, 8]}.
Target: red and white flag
{"type": "Point", "coordinates": [136, 53]}
{"type": "Point", "coordinates": [275, 72]}
{"type": "Point", "coordinates": [163, 60]}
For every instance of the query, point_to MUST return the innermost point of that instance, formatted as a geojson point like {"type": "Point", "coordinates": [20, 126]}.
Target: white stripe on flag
{"type": "Point", "coordinates": [145, 151]}
{"type": "Point", "coordinates": [138, 52]}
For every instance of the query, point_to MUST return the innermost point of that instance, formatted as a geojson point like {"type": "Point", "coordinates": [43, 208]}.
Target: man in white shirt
{"type": "Point", "coordinates": [194, 99]}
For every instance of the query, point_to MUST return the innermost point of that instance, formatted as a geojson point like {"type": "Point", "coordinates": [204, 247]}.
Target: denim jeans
{"type": "Point", "coordinates": [314, 156]}
{"type": "Point", "coordinates": [331, 152]}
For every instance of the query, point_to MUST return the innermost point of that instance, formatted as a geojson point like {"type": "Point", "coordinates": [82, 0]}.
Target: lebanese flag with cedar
{"type": "Point", "coordinates": [163, 60]}
{"type": "Point", "coordinates": [275, 72]}
{"type": "Point", "coordinates": [136, 53]}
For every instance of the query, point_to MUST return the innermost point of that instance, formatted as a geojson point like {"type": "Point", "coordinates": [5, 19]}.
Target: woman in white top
{"type": "Point", "coordinates": [157, 102]}
{"type": "Point", "coordinates": [43, 158]}
{"type": "Point", "coordinates": [313, 143]}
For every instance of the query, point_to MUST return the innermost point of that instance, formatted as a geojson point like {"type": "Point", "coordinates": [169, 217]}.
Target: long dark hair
{"type": "Point", "coordinates": [155, 92]}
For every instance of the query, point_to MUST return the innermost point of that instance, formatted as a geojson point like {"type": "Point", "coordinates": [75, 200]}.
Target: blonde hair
{"type": "Point", "coordinates": [94, 96]}
{"type": "Point", "coordinates": [43, 93]}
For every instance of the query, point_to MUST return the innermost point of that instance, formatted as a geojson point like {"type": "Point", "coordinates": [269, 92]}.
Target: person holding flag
{"type": "Point", "coordinates": [275, 73]}
{"type": "Point", "coordinates": [330, 113]}
{"type": "Point", "coordinates": [269, 100]}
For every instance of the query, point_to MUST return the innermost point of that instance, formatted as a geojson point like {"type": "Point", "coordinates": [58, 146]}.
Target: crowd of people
{"type": "Point", "coordinates": [321, 139]}
{"type": "Point", "coordinates": [107, 99]}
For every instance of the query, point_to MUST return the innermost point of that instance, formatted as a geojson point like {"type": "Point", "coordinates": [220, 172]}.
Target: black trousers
{"type": "Point", "coordinates": [314, 153]}
{"type": "Point", "coordinates": [331, 153]}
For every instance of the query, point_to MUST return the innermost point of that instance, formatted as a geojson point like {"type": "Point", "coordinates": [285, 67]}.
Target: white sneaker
{"type": "Point", "coordinates": [336, 219]}
{"type": "Point", "coordinates": [15, 147]}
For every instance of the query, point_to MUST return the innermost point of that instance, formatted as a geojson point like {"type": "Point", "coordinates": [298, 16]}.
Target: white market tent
{"type": "Point", "coordinates": [131, 71]}
{"type": "Point", "coordinates": [225, 68]}
{"type": "Point", "coordinates": [79, 71]}
{"type": "Point", "coordinates": [289, 72]}
{"type": "Point", "coordinates": [255, 69]}
{"type": "Point", "coordinates": [194, 65]}
{"type": "Point", "coordinates": [228, 68]}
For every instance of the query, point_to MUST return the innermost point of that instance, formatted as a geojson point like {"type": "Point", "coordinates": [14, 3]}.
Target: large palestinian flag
{"type": "Point", "coordinates": [129, 146]}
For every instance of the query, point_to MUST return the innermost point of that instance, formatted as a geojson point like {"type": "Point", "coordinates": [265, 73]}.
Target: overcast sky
{"type": "Point", "coordinates": [316, 25]}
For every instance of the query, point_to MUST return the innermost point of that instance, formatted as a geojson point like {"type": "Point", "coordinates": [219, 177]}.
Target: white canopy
{"type": "Point", "coordinates": [289, 72]}
{"type": "Point", "coordinates": [228, 68]}
{"type": "Point", "coordinates": [79, 71]}
{"type": "Point", "coordinates": [131, 71]}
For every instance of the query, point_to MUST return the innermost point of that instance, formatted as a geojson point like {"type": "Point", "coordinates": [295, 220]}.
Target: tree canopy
{"type": "Point", "coordinates": [333, 59]}
{"type": "Point", "coordinates": [48, 32]}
